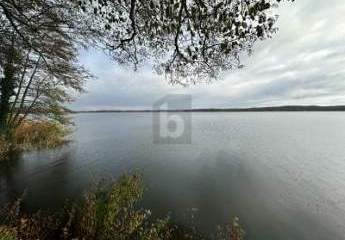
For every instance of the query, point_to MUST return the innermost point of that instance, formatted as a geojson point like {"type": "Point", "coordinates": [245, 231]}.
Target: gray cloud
{"type": "Point", "coordinates": [302, 64]}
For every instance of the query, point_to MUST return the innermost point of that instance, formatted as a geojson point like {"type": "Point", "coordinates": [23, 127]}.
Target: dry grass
{"type": "Point", "coordinates": [34, 135]}
{"type": "Point", "coordinates": [38, 135]}
{"type": "Point", "coordinates": [7, 233]}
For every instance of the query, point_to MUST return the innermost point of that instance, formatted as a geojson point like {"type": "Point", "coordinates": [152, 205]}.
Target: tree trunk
{"type": "Point", "coordinates": [7, 89]}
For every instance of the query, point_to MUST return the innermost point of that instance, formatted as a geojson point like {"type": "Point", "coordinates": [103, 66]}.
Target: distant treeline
{"type": "Point", "coordinates": [254, 109]}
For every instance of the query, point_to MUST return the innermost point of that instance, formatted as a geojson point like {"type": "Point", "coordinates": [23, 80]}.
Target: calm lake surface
{"type": "Point", "coordinates": [282, 174]}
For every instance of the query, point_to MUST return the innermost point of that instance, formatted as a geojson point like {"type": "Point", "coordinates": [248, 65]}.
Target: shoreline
{"type": "Point", "coordinates": [254, 109]}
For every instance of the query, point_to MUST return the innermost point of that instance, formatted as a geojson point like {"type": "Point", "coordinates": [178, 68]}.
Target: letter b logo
{"type": "Point", "coordinates": [171, 121]}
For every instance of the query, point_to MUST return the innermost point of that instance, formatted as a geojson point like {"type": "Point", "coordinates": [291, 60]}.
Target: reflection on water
{"type": "Point", "coordinates": [281, 173]}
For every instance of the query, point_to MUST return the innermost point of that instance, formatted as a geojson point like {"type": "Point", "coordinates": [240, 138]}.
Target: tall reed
{"type": "Point", "coordinates": [39, 134]}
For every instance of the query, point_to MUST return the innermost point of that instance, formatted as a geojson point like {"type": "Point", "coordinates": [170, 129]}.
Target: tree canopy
{"type": "Point", "coordinates": [38, 58]}
{"type": "Point", "coordinates": [188, 41]}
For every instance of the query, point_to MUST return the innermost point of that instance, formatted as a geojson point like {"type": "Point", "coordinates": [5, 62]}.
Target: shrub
{"type": "Point", "coordinates": [107, 212]}
{"type": "Point", "coordinates": [110, 211]}
{"type": "Point", "coordinates": [233, 231]}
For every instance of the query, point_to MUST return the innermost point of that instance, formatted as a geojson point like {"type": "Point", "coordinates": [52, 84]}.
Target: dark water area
{"type": "Point", "coordinates": [282, 174]}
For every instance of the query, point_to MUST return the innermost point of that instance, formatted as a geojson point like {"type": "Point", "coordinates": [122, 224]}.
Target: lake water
{"type": "Point", "coordinates": [282, 174]}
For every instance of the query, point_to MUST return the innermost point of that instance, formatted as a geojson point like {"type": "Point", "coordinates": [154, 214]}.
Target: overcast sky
{"type": "Point", "coordinates": [303, 64]}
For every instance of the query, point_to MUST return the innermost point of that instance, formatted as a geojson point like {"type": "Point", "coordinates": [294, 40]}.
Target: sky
{"type": "Point", "coordinates": [304, 64]}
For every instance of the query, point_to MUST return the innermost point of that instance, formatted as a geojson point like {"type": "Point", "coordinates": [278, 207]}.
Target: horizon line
{"type": "Point", "coordinates": [282, 108]}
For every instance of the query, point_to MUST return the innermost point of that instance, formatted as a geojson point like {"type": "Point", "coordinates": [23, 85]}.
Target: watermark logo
{"type": "Point", "coordinates": [172, 120]}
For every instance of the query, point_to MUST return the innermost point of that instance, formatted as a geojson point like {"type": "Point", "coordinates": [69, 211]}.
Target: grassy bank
{"type": "Point", "coordinates": [33, 135]}
{"type": "Point", "coordinates": [108, 211]}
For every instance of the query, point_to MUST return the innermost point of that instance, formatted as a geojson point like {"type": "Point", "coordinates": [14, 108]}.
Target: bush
{"type": "Point", "coordinates": [107, 212]}
{"type": "Point", "coordinates": [110, 211]}
{"type": "Point", "coordinates": [39, 134]}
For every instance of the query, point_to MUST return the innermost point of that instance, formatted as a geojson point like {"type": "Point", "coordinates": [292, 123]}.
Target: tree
{"type": "Point", "coordinates": [38, 59]}
{"type": "Point", "coordinates": [43, 87]}
{"type": "Point", "coordinates": [9, 59]}
{"type": "Point", "coordinates": [189, 40]}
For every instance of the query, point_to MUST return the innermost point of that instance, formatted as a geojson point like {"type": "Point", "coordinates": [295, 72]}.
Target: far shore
{"type": "Point", "coordinates": [296, 108]}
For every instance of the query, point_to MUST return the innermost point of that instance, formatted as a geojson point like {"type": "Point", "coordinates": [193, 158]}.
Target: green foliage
{"type": "Point", "coordinates": [109, 212]}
